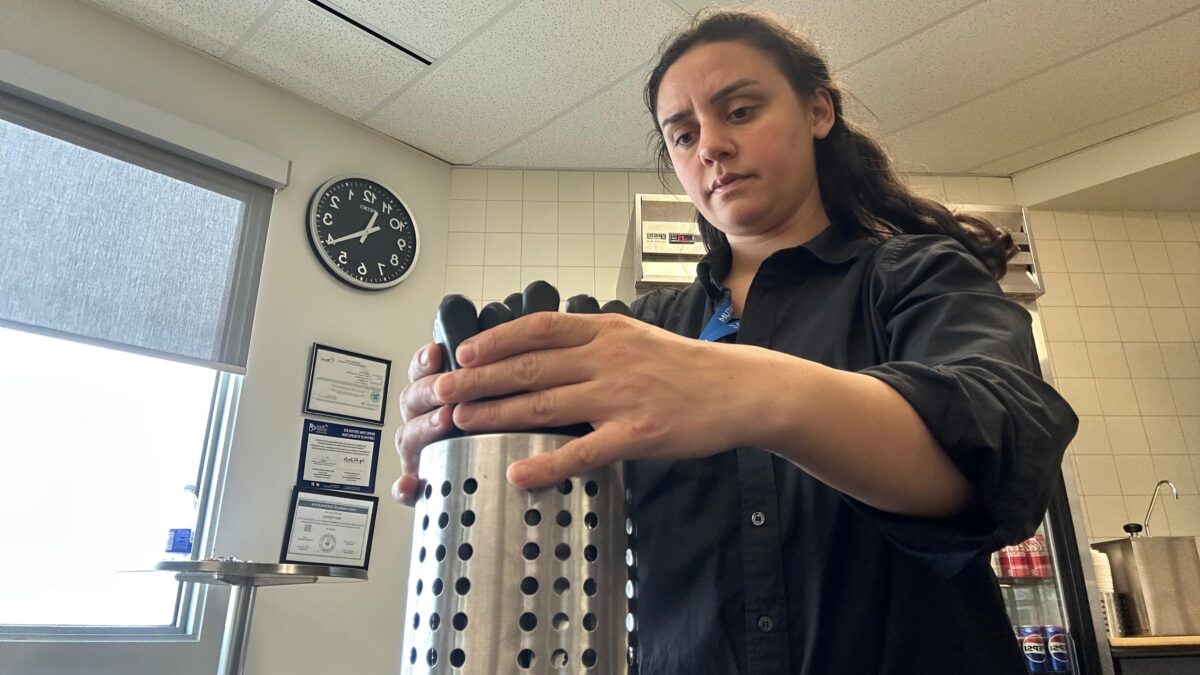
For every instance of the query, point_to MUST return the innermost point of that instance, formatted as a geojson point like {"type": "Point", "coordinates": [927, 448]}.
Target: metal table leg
{"type": "Point", "coordinates": [237, 629]}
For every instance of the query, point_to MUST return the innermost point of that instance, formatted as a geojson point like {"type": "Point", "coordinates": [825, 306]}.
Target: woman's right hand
{"type": "Point", "coordinates": [426, 420]}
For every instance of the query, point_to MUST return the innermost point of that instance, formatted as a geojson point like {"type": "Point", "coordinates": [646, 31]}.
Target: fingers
{"type": "Point", "coordinates": [426, 361]}
{"type": "Point", "coordinates": [555, 407]}
{"type": "Point", "coordinates": [411, 439]}
{"type": "Point", "coordinates": [543, 330]}
{"type": "Point", "coordinates": [527, 371]}
{"type": "Point", "coordinates": [419, 397]}
{"type": "Point", "coordinates": [599, 448]}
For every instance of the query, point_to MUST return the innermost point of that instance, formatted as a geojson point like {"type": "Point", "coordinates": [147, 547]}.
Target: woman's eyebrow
{"type": "Point", "coordinates": [724, 92]}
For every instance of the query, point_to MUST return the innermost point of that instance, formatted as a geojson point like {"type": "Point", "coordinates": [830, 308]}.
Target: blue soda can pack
{"type": "Point", "coordinates": [1058, 655]}
{"type": "Point", "coordinates": [1033, 643]}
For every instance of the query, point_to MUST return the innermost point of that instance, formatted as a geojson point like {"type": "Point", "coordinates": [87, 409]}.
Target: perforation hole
{"type": "Point", "coordinates": [446, 489]}
{"type": "Point", "coordinates": [412, 655]}
{"type": "Point", "coordinates": [443, 520]}
{"type": "Point", "coordinates": [589, 587]}
{"type": "Point", "coordinates": [565, 487]}
{"type": "Point", "coordinates": [416, 621]}
{"type": "Point", "coordinates": [529, 585]}
{"type": "Point", "coordinates": [526, 658]}
{"type": "Point", "coordinates": [561, 585]}
{"type": "Point", "coordinates": [420, 586]}
{"type": "Point", "coordinates": [589, 658]}
{"type": "Point", "coordinates": [527, 622]}
{"type": "Point", "coordinates": [591, 488]}
{"type": "Point", "coordinates": [591, 520]}
{"type": "Point", "coordinates": [431, 657]}
{"type": "Point", "coordinates": [440, 553]}
{"type": "Point", "coordinates": [428, 491]}
{"type": "Point", "coordinates": [421, 554]}
{"type": "Point", "coordinates": [465, 551]}
{"type": "Point", "coordinates": [589, 553]}
{"type": "Point", "coordinates": [561, 622]}
{"type": "Point", "coordinates": [459, 621]}
{"type": "Point", "coordinates": [533, 517]}
{"type": "Point", "coordinates": [462, 586]}
{"type": "Point", "coordinates": [589, 622]}
{"type": "Point", "coordinates": [563, 518]}
{"type": "Point", "coordinates": [459, 657]}
{"type": "Point", "coordinates": [468, 518]}
{"type": "Point", "coordinates": [435, 621]}
{"type": "Point", "coordinates": [531, 551]}
{"type": "Point", "coordinates": [437, 587]}
{"type": "Point", "coordinates": [425, 523]}
{"type": "Point", "coordinates": [470, 486]}
{"type": "Point", "coordinates": [558, 659]}
{"type": "Point", "coordinates": [562, 551]}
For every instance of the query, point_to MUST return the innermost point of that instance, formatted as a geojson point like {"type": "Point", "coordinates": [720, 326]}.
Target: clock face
{"type": "Point", "coordinates": [362, 232]}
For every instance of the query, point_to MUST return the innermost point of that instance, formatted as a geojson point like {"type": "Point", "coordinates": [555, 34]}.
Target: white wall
{"type": "Point", "coordinates": [299, 630]}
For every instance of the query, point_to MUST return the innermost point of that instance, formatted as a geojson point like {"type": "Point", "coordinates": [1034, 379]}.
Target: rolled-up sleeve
{"type": "Point", "coordinates": [963, 356]}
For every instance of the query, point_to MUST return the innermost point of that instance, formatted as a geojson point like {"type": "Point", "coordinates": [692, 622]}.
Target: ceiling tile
{"type": "Point", "coordinates": [607, 132]}
{"type": "Point", "coordinates": [431, 26]}
{"type": "Point", "coordinates": [850, 29]}
{"type": "Point", "coordinates": [989, 46]}
{"type": "Point", "coordinates": [1154, 65]}
{"type": "Point", "coordinates": [1097, 133]}
{"type": "Point", "coordinates": [535, 62]}
{"type": "Point", "coordinates": [311, 52]}
{"type": "Point", "coordinates": [210, 25]}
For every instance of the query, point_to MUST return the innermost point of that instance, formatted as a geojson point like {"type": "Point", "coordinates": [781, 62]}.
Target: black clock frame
{"type": "Point", "coordinates": [331, 265]}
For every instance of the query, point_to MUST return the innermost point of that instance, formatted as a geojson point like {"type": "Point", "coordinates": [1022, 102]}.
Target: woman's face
{"type": "Point", "coordinates": [740, 138]}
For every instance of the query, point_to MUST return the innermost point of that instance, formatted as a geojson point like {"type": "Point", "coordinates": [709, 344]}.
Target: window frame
{"type": "Point", "coordinates": [229, 368]}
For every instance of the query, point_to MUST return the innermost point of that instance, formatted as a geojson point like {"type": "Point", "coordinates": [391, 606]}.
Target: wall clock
{"type": "Point", "coordinates": [362, 232]}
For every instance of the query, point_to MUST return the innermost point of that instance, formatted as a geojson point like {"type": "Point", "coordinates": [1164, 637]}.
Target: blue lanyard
{"type": "Point", "coordinates": [722, 322]}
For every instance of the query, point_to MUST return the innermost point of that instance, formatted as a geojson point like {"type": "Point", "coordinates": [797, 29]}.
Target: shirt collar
{"type": "Point", "coordinates": [833, 246]}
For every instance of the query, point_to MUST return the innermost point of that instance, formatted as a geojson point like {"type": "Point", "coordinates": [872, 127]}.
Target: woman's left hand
{"type": "Point", "coordinates": [646, 392]}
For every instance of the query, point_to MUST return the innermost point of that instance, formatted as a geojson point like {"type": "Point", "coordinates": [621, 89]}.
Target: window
{"type": "Point", "coordinates": [127, 284]}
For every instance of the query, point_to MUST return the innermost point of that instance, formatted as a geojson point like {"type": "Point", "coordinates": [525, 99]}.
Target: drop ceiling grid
{"type": "Point", "coordinates": [212, 26]}
{"type": "Point", "coordinates": [538, 60]}
{"type": "Point", "coordinates": [850, 29]}
{"type": "Point", "coordinates": [433, 27]}
{"type": "Point", "coordinates": [313, 53]}
{"type": "Point", "coordinates": [609, 130]}
{"type": "Point", "coordinates": [1036, 153]}
{"type": "Point", "coordinates": [988, 47]}
{"type": "Point", "coordinates": [1153, 65]}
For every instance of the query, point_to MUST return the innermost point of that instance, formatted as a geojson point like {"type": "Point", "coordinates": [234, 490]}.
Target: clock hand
{"type": "Point", "coordinates": [370, 225]}
{"type": "Point", "coordinates": [361, 233]}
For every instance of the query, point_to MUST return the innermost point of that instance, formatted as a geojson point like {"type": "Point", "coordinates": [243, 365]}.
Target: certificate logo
{"type": "Point", "coordinates": [327, 542]}
{"type": "Point", "coordinates": [376, 395]}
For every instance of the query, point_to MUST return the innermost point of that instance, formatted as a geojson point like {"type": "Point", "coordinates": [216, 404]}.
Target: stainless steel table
{"type": "Point", "coordinates": [244, 578]}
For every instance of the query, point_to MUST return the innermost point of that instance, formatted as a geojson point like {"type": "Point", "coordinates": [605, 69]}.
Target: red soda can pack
{"type": "Point", "coordinates": [1013, 561]}
{"type": "Point", "coordinates": [1033, 644]}
{"type": "Point", "coordinates": [1058, 655]}
{"type": "Point", "coordinates": [1039, 557]}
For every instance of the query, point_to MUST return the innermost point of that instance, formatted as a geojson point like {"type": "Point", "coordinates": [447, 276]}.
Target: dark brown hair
{"type": "Point", "coordinates": [858, 186]}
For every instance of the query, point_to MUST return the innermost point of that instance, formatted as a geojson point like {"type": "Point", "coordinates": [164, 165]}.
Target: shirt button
{"type": "Point", "coordinates": [766, 624]}
{"type": "Point", "coordinates": [758, 518]}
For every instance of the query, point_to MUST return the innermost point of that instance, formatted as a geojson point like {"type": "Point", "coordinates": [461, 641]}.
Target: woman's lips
{"type": "Point", "coordinates": [730, 186]}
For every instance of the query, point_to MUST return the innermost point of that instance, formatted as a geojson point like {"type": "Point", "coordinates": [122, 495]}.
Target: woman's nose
{"type": "Point", "coordinates": [716, 145]}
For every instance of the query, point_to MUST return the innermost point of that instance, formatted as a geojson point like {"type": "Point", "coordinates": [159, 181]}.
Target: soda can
{"type": "Point", "coordinates": [1039, 557]}
{"type": "Point", "coordinates": [1033, 643]}
{"type": "Point", "coordinates": [1058, 655]}
{"type": "Point", "coordinates": [1014, 561]}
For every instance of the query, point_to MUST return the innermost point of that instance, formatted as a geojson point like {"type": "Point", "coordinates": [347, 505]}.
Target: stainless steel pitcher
{"type": "Point", "coordinates": [507, 580]}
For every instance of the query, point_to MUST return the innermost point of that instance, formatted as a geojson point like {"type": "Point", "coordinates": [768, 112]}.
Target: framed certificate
{"type": "Point", "coordinates": [338, 457]}
{"type": "Point", "coordinates": [328, 528]}
{"type": "Point", "coordinates": [347, 384]}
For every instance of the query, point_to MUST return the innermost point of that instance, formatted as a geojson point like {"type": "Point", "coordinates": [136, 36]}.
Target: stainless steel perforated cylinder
{"type": "Point", "coordinates": [507, 580]}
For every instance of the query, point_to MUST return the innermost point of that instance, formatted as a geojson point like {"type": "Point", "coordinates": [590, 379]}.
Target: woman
{"type": "Point", "coordinates": [820, 478]}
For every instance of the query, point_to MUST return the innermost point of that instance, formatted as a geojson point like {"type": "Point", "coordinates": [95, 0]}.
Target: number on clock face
{"type": "Point", "coordinates": [363, 233]}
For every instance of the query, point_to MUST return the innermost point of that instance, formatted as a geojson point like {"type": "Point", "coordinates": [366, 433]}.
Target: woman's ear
{"type": "Point", "coordinates": [820, 112]}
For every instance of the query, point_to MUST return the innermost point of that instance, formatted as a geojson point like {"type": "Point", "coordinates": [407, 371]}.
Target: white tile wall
{"type": "Point", "coordinates": [1122, 318]}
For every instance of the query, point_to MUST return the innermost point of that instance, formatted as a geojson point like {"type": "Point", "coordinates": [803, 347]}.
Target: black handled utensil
{"type": "Point", "coordinates": [582, 304]}
{"type": "Point", "coordinates": [514, 303]}
{"type": "Point", "coordinates": [456, 321]}
{"type": "Point", "coordinates": [539, 296]}
{"type": "Point", "coordinates": [616, 307]}
{"type": "Point", "coordinates": [494, 314]}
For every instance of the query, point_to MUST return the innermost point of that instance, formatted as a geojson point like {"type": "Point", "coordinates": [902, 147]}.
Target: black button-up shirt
{"type": "Point", "coordinates": [747, 564]}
